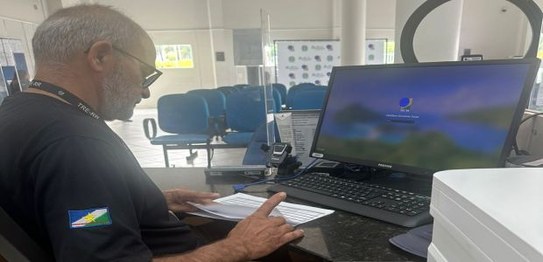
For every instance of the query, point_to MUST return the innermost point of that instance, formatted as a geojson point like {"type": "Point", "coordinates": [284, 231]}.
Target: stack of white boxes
{"type": "Point", "coordinates": [487, 215]}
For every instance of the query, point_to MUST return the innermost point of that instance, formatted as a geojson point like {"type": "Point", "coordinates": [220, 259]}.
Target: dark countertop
{"type": "Point", "coordinates": [341, 236]}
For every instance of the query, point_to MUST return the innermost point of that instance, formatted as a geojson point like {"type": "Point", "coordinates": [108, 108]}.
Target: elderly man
{"type": "Point", "coordinates": [72, 184]}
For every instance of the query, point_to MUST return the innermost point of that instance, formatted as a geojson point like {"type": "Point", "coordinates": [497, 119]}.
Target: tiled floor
{"type": "Point", "coordinates": [151, 155]}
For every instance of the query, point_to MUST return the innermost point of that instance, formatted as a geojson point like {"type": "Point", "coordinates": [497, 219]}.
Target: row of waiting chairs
{"type": "Point", "coordinates": [298, 97]}
{"type": "Point", "coordinates": [194, 119]}
{"type": "Point", "coordinates": [305, 96]}
{"type": "Point", "coordinates": [279, 91]}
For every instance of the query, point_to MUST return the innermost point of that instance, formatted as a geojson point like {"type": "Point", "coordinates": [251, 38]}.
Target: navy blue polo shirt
{"type": "Point", "coordinates": [76, 188]}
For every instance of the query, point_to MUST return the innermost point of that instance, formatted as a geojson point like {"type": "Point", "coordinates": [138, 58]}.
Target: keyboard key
{"type": "Point", "coordinates": [380, 200]}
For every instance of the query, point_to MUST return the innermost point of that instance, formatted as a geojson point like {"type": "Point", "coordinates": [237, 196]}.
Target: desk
{"type": "Point", "coordinates": [341, 236]}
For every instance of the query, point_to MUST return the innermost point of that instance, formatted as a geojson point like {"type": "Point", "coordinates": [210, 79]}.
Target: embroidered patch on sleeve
{"type": "Point", "coordinates": [93, 217]}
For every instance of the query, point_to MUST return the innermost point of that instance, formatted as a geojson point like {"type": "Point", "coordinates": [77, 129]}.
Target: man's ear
{"type": "Point", "coordinates": [99, 55]}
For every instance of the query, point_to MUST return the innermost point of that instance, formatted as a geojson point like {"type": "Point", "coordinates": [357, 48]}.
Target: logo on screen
{"type": "Point", "coordinates": [405, 104]}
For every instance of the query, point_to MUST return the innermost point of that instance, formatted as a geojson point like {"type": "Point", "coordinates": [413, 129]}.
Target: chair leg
{"type": "Point", "coordinates": [208, 149]}
{"type": "Point", "coordinates": [192, 155]}
{"type": "Point", "coordinates": [166, 161]}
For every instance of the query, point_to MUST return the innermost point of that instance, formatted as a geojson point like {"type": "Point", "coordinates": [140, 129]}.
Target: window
{"type": "Point", "coordinates": [174, 56]}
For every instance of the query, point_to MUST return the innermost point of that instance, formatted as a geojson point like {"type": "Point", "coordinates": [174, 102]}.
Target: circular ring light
{"type": "Point", "coordinates": [528, 7]}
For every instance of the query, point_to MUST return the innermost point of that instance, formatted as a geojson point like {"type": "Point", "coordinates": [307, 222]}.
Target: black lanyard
{"type": "Point", "coordinates": [64, 94]}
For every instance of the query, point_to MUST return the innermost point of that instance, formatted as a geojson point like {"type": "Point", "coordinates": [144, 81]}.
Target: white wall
{"type": "Point", "coordinates": [19, 19]}
{"type": "Point", "coordinates": [380, 19]}
{"type": "Point", "coordinates": [484, 29]}
{"type": "Point", "coordinates": [185, 22]}
{"type": "Point", "coordinates": [319, 21]}
{"type": "Point", "coordinates": [436, 37]}
{"type": "Point", "coordinates": [285, 14]}
{"type": "Point", "coordinates": [190, 22]}
{"type": "Point", "coordinates": [164, 14]}
{"type": "Point", "coordinates": [23, 10]}
{"type": "Point", "coordinates": [494, 28]}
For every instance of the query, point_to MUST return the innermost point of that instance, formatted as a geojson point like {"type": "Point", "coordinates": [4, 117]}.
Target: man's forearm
{"type": "Point", "coordinates": [253, 237]}
{"type": "Point", "coordinates": [220, 251]}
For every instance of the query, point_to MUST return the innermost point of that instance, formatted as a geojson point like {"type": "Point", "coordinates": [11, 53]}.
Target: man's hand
{"type": "Point", "coordinates": [259, 235]}
{"type": "Point", "coordinates": [254, 237]}
{"type": "Point", "coordinates": [177, 199]}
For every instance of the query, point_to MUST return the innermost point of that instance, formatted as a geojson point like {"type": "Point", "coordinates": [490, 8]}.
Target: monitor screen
{"type": "Point", "coordinates": [426, 117]}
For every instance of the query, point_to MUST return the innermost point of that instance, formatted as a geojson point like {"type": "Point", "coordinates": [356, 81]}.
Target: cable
{"type": "Point", "coordinates": [529, 117]}
{"type": "Point", "coordinates": [519, 152]}
{"type": "Point", "coordinates": [240, 187]}
{"type": "Point", "coordinates": [301, 172]}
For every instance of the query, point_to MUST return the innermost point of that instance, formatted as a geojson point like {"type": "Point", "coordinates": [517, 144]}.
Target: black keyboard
{"type": "Point", "coordinates": [387, 204]}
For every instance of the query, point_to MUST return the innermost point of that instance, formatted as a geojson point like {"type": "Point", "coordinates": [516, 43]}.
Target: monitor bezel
{"type": "Point", "coordinates": [533, 64]}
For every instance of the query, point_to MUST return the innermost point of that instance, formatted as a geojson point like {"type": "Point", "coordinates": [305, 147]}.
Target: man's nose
{"type": "Point", "coordinates": [145, 93]}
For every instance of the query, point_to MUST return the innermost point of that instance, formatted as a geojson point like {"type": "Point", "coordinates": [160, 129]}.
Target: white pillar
{"type": "Point", "coordinates": [353, 32]}
{"type": "Point", "coordinates": [437, 37]}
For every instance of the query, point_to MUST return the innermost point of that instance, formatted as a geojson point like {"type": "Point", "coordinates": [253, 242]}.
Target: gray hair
{"type": "Point", "coordinates": [72, 30]}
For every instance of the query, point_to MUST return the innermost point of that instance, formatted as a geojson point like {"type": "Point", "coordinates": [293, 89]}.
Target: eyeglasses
{"type": "Point", "coordinates": [150, 78]}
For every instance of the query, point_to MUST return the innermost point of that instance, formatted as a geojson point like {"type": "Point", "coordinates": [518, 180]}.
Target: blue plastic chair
{"type": "Point", "coordinates": [216, 103]}
{"type": "Point", "coordinates": [245, 112]}
{"type": "Point", "coordinates": [277, 99]}
{"type": "Point", "coordinates": [185, 117]}
{"type": "Point", "coordinates": [282, 89]}
{"type": "Point", "coordinates": [226, 90]}
{"type": "Point", "coordinates": [240, 87]}
{"type": "Point", "coordinates": [294, 89]}
{"type": "Point", "coordinates": [308, 99]}
{"type": "Point", "coordinates": [216, 100]}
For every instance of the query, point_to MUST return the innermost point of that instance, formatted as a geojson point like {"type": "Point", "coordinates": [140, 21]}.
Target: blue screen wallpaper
{"type": "Point", "coordinates": [436, 118]}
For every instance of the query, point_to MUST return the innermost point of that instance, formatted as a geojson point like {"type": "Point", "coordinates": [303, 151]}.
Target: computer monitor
{"type": "Point", "coordinates": [425, 117]}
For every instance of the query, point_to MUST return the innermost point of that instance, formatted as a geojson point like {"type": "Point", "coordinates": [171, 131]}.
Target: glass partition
{"type": "Point", "coordinates": [266, 74]}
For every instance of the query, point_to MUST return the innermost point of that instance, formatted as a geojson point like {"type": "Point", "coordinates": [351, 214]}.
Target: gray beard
{"type": "Point", "coordinates": [116, 101]}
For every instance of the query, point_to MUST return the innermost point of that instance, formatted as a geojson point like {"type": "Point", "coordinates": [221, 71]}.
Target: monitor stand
{"type": "Point", "coordinates": [420, 184]}
{"type": "Point", "coordinates": [402, 181]}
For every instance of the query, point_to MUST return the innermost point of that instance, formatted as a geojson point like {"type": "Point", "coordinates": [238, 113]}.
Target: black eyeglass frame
{"type": "Point", "coordinates": [149, 79]}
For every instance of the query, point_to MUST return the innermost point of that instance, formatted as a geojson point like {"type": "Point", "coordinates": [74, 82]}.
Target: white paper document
{"type": "Point", "coordinates": [284, 125]}
{"type": "Point", "coordinates": [239, 206]}
{"type": "Point", "coordinates": [297, 128]}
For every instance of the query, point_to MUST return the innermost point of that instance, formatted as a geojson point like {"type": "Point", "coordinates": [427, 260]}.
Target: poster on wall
{"type": "Point", "coordinates": [311, 61]}
{"type": "Point", "coordinates": [15, 76]}
{"type": "Point", "coordinates": [174, 56]}
{"type": "Point", "coordinates": [376, 51]}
